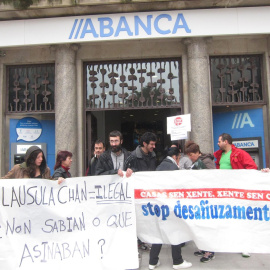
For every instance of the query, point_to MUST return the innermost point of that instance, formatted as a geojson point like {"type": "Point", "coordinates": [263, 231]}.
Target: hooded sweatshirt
{"type": "Point", "coordinates": [208, 160]}
{"type": "Point", "coordinates": [19, 170]}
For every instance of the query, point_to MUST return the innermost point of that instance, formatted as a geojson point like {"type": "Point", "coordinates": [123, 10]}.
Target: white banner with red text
{"type": "Point", "coordinates": [220, 210]}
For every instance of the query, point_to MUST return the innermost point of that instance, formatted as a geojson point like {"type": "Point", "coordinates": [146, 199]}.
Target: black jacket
{"type": "Point", "coordinates": [144, 162]}
{"type": "Point", "coordinates": [105, 163]}
{"type": "Point", "coordinates": [60, 172]}
{"type": "Point", "coordinates": [92, 166]}
{"type": "Point", "coordinates": [167, 165]}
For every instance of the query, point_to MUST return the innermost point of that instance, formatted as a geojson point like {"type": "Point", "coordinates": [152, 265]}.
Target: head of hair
{"type": "Point", "coordinates": [116, 133]}
{"type": "Point", "coordinates": [147, 137]}
{"type": "Point", "coordinates": [99, 142]}
{"type": "Point", "coordinates": [173, 151]}
{"type": "Point", "coordinates": [31, 165]}
{"type": "Point", "coordinates": [192, 147]}
{"type": "Point", "coordinates": [226, 136]}
{"type": "Point", "coordinates": [61, 156]}
{"type": "Point", "coordinates": [176, 144]}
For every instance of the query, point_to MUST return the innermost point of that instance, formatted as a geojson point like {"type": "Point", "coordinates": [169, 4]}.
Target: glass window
{"type": "Point", "coordinates": [236, 79]}
{"type": "Point", "coordinates": [30, 88]}
{"type": "Point", "coordinates": [134, 84]}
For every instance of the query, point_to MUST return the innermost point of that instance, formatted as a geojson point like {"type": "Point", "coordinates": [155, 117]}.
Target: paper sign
{"type": "Point", "coordinates": [178, 126]}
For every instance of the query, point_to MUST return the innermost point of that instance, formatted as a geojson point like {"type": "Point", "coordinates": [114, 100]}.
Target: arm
{"type": "Point", "coordinates": [131, 163]}
{"type": "Point", "coordinates": [57, 173]}
{"type": "Point", "coordinates": [92, 167]}
{"type": "Point", "coordinates": [103, 168]}
{"type": "Point", "coordinates": [185, 163]}
{"type": "Point", "coordinates": [217, 155]}
{"type": "Point", "coordinates": [248, 162]}
{"type": "Point", "coordinates": [209, 163]}
{"type": "Point", "coordinates": [11, 173]}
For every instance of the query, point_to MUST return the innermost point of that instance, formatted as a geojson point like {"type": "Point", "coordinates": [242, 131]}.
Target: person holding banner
{"type": "Point", "coordinates": [145, 161]}
{"type": "Point", "coordinates": [62, 165]}
{"type": "Point", "coordinates": [34, 166]}
{"type": "Point", "coordinates": [170, 163]}
{"type": "Point", "coordinates": [144, 153]}
{"type": "Point", "coordinates": [200, 161]}
{"type": "Point", "coordinates": [117, 159]}
{"type": "Point", "coordinates": [230, 157]}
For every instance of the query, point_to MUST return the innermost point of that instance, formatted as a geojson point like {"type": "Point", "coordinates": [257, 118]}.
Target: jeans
{"type": "Point", "coordinates": [176, 254]}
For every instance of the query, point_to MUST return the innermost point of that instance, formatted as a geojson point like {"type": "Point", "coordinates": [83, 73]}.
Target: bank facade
{"type": "Point", "coordinates": [81, 71]}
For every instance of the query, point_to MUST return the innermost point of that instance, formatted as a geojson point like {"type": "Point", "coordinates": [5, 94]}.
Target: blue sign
{"type": "Point", "coordinates": [28, 129]}
{"type": "Point", "coordinates": [47, 136]}
{"type": "Point", "coordinates": [239, 124]}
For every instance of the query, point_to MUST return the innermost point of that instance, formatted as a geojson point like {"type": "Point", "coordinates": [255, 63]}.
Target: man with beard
{"type": "Point", "coordinates": [117, 159]}
{"type": "Point", "coordinates": [144, 153]}
{"type": "Point", "coordinates": [146, 161]}
{"type": "Point", "coordinates": [230, 157]}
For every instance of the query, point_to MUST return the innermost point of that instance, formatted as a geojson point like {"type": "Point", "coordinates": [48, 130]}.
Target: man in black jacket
{"type": "Point", "coordinates": [99, 148]}
{"type": "Point", "coordinates": [146, 161]}
{"type": "Point", "coordinates": [144, 153]}
{"type": "Point", "coordinates": [117, 159]}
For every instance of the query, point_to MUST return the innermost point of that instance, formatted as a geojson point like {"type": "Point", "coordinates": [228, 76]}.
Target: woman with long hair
{"type": "Point", "coordinates": [34, 166]}
{"type": "Point", "coordinates": [62, 165]}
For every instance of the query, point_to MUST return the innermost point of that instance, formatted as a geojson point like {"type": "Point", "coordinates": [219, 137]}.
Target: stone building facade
{"type": "Point", "coordinates": [152, 66]}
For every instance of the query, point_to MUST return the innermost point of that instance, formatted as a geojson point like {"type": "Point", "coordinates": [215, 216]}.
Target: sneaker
{"type": "Point", "coordinates": [245, 255]}
{"type": "Point", "coordinates": [154, 266]}
{"type": "Point", "coordinates": [199, 253]}
{"type": "Point", "coordinates": [183, 265]}
{"type": "Point", "coordinates": [208, 256]}
{"type": "Point", "coordinates": [143, 246]}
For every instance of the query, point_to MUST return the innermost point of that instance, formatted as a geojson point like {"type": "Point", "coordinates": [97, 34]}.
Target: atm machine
{"type": "Point", "coordinates": [252, 145]}
{"type": "Point", "coordinates": [18, 151]}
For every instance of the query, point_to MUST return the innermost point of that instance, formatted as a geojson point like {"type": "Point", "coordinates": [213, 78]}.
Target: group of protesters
{"type": "Point", "coordinates": [117, 160]}
{"type": "Point", "coordinates": [35, 166]}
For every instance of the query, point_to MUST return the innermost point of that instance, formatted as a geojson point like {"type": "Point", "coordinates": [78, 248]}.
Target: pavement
{"type": "Point", "coordinates": [228, 261]}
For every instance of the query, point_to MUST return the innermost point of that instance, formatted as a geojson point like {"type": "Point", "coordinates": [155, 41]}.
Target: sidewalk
{"type": "Point", "coordinates": [228, 261]}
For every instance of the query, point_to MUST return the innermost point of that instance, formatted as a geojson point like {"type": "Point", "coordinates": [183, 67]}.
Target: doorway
{"type": "Point", "coordinates": [132, 124]}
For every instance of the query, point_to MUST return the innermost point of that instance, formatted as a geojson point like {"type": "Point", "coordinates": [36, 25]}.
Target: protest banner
{"type": "Point", "coordinates": [90, 222]}
{"type": "Point", "coordinates": [220, 210]}
{"type": "Point", "coordinates": [86, 222]}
